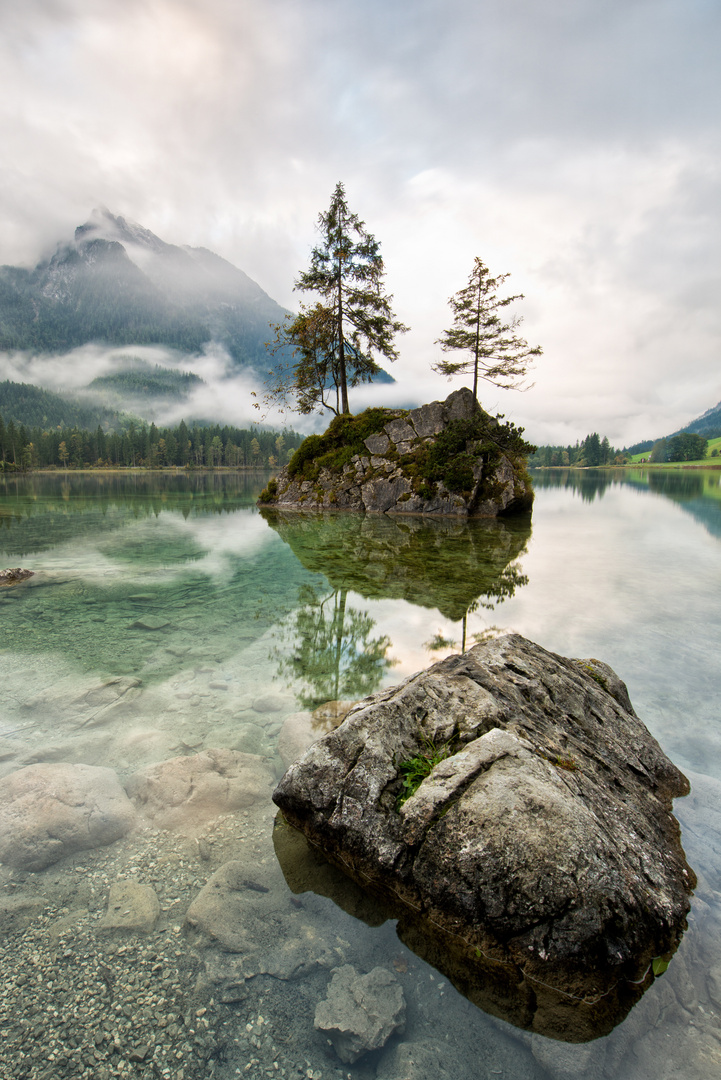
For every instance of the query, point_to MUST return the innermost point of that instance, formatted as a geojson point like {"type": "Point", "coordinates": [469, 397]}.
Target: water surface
{"type": "Point", "coordinates": [167, 616]}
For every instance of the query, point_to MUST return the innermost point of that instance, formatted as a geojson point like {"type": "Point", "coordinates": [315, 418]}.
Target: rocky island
{"type": "Point", "coordinates": [511, 802]}
{"type": "Point", "coordinates": [445, 458]}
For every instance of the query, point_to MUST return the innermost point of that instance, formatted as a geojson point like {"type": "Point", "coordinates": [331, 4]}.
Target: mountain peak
{"type": "Point", "coordinates": [104, 225]}
{"type": "Point", "coordinates": [118, 283]}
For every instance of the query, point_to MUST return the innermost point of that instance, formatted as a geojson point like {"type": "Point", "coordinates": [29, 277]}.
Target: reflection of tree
{"type": "Point", "coordinates": [333, 654]}
{"type": "Point", "coordinates": [504, 587]}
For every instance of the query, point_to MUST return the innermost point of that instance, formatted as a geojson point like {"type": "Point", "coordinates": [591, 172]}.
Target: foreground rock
{"type": "Point", "coordinates": [14, 576]}
{"type": "Point", "coordinates": [445, 458]}
{"type": "Point", "coordinates": [361, 1012]}
{"type": "Point", "coordinates": [544, 844]}
{"type": "Point", "coordinates": [48, 811]}
{"type": "Point", "coordinates": [185, 793]}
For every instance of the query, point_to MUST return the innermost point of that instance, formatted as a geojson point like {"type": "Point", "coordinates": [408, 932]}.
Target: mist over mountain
{"type": "Point", "coordinates": [117, 283]}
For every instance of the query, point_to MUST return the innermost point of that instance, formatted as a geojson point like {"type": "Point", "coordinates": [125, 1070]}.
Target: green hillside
{"type": "Point", "coordinates": [713, 451]}
{"type": "Point", "coordinates": [139, 379]}
{"type": "Point", "coordinates": [34, 407]}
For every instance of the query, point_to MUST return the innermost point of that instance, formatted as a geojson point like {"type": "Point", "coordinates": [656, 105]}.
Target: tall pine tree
{"type": "Point", "coordinates": [336, 340]}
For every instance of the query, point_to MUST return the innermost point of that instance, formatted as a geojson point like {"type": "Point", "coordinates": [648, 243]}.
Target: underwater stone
{"type": "Point", "coordinates": [132, 906]}
{"type": "Point", "coordinates": [185, 792]}
{"type": "Point", "coordinates": [48, 811]}
{"type": "Point", "coordinates": [361, 1012]}
{"type": "Point", "coordinates": [150, 622]}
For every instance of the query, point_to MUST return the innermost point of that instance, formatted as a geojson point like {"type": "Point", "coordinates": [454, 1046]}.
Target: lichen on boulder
{"type": "Point", "coordinates": [445, 458]}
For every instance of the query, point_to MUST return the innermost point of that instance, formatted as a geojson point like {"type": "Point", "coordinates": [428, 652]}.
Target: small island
{"type": "Point", "coordinates": [445, 458]}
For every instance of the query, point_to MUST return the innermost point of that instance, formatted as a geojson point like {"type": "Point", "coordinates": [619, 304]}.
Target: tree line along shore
{"type": "Point", "coordinates": [683, 450]}
{"type": "Point", "coordinates": [24, 449]}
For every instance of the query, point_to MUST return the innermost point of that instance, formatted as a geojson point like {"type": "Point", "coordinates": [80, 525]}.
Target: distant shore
{"type": "Point", "coordinates": [698, 465]}
{"type": "Point", "coordinates": [180, 470]}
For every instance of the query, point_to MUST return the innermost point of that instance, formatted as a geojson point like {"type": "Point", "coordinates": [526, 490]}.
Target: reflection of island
{"type": "Point", "coordinates": [499, 989]}
{"type": "Point", "coordinates": [446, 564]}
{"type": "Point", "coordinates": [334, 655]}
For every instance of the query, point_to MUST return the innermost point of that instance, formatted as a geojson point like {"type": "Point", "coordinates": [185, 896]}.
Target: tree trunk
{"type": "Point", "coordinates": [338, 628]}
{"type": "Point", "coordinates": [341, 344]}
{"type": "Point", "coordinates": [478, 344]}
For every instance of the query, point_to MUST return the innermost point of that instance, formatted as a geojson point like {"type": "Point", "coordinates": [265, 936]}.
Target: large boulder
{"type": "Point", "coordinates": [542, 841]}
{"type": "Point", "coordinates": [48, 811]}
{"type": "Point", "coordinates": [390, 461]}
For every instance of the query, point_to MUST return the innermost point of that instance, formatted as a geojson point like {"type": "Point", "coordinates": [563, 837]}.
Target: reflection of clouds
{"type": "Point", "coordinates": [208, 544]}
{"type": "Point", "coordinates": [410, 627]}
{"type": "Point", "coordinates": [226, 538]}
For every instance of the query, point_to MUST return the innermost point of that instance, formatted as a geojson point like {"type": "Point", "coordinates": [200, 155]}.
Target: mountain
{"type": "Point", "coordinates": [117, 283]}
{"type": "Point", "coordinates": [29, 405]}
{"type": "Point", "coordinates": [708, 424]}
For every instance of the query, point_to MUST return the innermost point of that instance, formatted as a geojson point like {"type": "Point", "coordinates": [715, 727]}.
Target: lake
{"type": "Point", "coordinates": [168, 617]}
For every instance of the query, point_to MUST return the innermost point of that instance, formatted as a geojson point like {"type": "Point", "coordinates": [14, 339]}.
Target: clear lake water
{"type": "Point", "coordinates": [168, 616]}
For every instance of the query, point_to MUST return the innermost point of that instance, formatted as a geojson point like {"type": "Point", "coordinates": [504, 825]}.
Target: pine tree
{"type": "Point", "coordinates": [335, 341]}
{"type": "Point", "coordinates": [497, 353]}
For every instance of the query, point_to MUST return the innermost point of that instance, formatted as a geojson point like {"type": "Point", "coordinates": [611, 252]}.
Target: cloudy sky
{"type": "Point", "coordinates": [572, 143]}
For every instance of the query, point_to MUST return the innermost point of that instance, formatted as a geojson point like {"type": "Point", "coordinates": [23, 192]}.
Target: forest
{"type": "Point", "coordinates": [143, 446]}
{"type": "Point", "coordinates": [594, 450]}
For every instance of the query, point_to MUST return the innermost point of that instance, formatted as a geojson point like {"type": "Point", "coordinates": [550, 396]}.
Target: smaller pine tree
{"type": "Point", "coordinates": [496, 352]}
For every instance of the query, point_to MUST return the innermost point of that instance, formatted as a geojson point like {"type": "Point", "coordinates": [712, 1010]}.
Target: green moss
{"type": "Point", "coordinates": [449, 460]}
{"type": "Point", "coordinates": [269, 493]}
{"type": "Point", "coordinates": [595, 675]}
{"type": "Point", "coordinates": [339, 444]}
{"type": "Point", "coordinates": [414, 771]}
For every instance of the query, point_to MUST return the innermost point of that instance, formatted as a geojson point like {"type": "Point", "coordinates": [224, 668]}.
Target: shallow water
{"type": "Point", "coordinates": [168, 616]}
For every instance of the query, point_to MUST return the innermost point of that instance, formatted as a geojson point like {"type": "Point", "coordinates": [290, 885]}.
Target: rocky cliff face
{"type": "Point", "coordinates": [445, 458]}
{"type": "Point", "coordinates": [541, 840]}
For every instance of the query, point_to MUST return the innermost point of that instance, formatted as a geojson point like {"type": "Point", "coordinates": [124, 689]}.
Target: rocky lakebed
{"type": "Point", "coordinates": [170, 923]}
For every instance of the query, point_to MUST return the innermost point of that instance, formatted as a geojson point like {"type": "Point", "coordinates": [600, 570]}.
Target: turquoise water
{"type": "Point", "coordinates": [167, 616]}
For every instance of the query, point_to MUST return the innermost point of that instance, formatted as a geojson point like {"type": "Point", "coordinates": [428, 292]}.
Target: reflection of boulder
{"type": "Point", "coordinates": [445, 564]}
{"type": "Point", "coordinates": [541, 845]}
{"type": "Point", "coordinates": [497, 988]}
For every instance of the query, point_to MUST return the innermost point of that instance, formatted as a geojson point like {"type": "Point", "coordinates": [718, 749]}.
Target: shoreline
{"type": "Point", "coordinates": [163, 470]}
{"type": "Point", "coordinates": [678, 465]}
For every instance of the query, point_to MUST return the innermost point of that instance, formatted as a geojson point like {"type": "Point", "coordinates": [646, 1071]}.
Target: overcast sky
{"type": "Point", "coordinates": [572, 143]}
